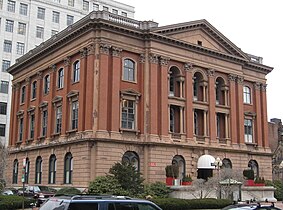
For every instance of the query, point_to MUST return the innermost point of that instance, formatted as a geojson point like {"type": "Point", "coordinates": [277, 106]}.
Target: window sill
{"type": "Point", "coordinates": [41, 138]}
{"type": "Point", "coordinates": [33, 99]}
{"type": "Point", "coordinates": [55, 134]}
{"type": "Point", "coordinates": [135, 82]}
{"type": "Point", "coordinates": [19, 142]}
{"type": "Point", "coordinates": [76, 82]}
{"type": "Point", "coordinates": [72, 131]}
{"type": "Point", "coordinates": [251, 143]}
{"type": "Point", "coordinates": [59, 88]}
{"type": "Point", "coordinates": [29, 140]}
{"type": "Point", "coordinates": [129, 130]}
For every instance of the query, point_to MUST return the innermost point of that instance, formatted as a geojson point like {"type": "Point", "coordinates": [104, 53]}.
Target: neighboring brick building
{"type": "Point", "coordinates": [110, 88]}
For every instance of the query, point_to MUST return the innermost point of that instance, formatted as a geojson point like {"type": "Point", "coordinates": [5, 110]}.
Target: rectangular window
{"type": "Point", "coordinates": [247, 95]}
{"type": "Point", "coordinates": [58, 123]}
{"type": "Point", "coordinates": [20, 48]}
{"type": "Point", "coordinates": [23, 9]}
{"type": "Point", "coordinates": [23, 94]}
{"type": "Point", "coordinates": [124, 14]}
{"type": "Point", "coordinates": [95, 7]}
{"type": "Point", "coordinates": [71, 3]}
{"type": "Point", "coordinates": [75, 112]}
{"type": "Point", "coordinates": [1, 4]}
{"type": "Point", "coordinates": [2, 129]}
{"type": "Point", "coordinates": [248, 130]}
{"type": "Point", "coordinates": [4, 86]}
{"type": "Point", "coordinates": [3, 108]}
{"type": "Point", "coordinates": [39, 32]}
{"type": "Point", "coordinates": [128, 114]}
{"type": "Point", "coordinates": [9, 25]}
{"type": "Point", "coordinates": [105, 8]}
{"type": "Point", "coordinates": [22, 28]}
{"type": "Point", "coordinates": [85, 5]}
{"type": "Point", "coordinates": [44, 123]}
{"type": "Point", "coordinates": [21, 126]}
{"type": "Point", "coordinates": [11, 6]}
{"type": "Point", "coordinates": [7, 46]}
{"type": "Point", "coordinates": [55, 17]}
{"type": "Point", "coordinates": [31, 126]}
{"type": "Point", "coordinates": [70, 20]}
{"type": "Point", "coordinates": [5, 65]}
{"type": "Point", "coordinates": [114, 11]}
{"type": "Point", "coordinates": [40, 13]}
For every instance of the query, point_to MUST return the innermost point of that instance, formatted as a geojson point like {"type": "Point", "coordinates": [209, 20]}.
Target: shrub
{"type": "Point", "coordinates": [157, 190]}
{"type": "Point", "coordinates": [68, 191]}
{"type": "Point", "coordinates": [249, 174]}
{"type": "Point", "coordinates": [277, 184]}
{"type": "Point", "coordinates": [12, 202]}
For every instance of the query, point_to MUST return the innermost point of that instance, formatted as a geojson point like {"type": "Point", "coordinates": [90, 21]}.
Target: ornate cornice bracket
{"type": "Point", "coordinates": [263, 87]}
{"type": "Point", "coordinates": [83, 52]}
{"type": "Point", "coordinates": [116, 51]}
{"type": "Point", "coordinates": [188, 66]}
{"type": "Point", "coordinates": [104, 48]}
{"type": "Point", "coordinates": [163, 61]}
{"type": "Point", "coordinates": [240, 80]}
{"type": "Point", "coordinates": [142, 58]}
{"type": "Point", "coordinates": [210, 72]}
{"type": "Point", "coordinates": [153, 58]}
{"type": "Point", "coordinates": [257, 85]}
{"type": "Point", "coordinates": [232, 77]}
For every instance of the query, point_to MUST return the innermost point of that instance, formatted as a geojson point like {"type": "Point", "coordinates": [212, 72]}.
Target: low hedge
{"type": "Point", "coordinates": [12, 202]}
{"type": "Point", "coordinates": [186, 204]}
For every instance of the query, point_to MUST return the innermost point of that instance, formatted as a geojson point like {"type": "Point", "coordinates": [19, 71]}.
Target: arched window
{"type": "Point", "coordinates": [129, 70]}
{"type": "Point", "coordinates": [46, 84]}
{"type": "Point", "coordinates": [76, 71]}
{"type": "Point", "coordinates": [175, 82]}
{"type": "Point", "coordinates": [131, 158]}
{"type": "Point", "coordinates": [180, 162]}
{"type": "Point", "coordinates": [23, 95]}
{"type": "Point", "coordinates": [220, 91]}
{"type": "Point", "coordinates": [226, 163]}
{"type": "Point", "coordinates": [198, 87]}
{"type": "Point", "coordinates": [27, 171]}
{"type": "Point", "coordinates": [52, 170]}
{"type": "Point", "coordinates": [254, 166]}
{"type": "Point", "coordinates": [60, 82]}
{"type": "Point", "coordinates": [15, 171]}
{"type": "Point", "coordinates": [38, 170]}
{"type": "Point", "coordinates": [196, 123]}
{"type": "Point", "coordinates": [247, 95]}
{"type": "Point", "coordinates": [68, 168]}
{"type": "Point", "coordinates": [33, 90]}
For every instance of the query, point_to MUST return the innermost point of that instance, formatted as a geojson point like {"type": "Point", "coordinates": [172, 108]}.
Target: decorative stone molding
{"type": "Point", "coordinates": [142, 58]}
{"type": "Point", "coordinates": [116, 51]}
{"type": "Point", "coordinates": [91, 49]}
{"type": "Point", "coordinates": [39, 75]}
{"type": "Point", "coordinates": [27, 80]}
{"type": "Point", "coordinates": [67, 61]}
{"type": "Point", "coordinates": [163, 61]}
{"type": "Point", "coordinates": [16, 86]}
{"type": "Point", "coordinates": [188, 66]}
{"type": "Point", "coordinates": [83, 53]}
{"type": "Point", "coordinates": [104, 48]}
{"type": "Point", "coordinates": [257, 85]}
{"type": "Point", "coordinates": [263, 87]}
{"type": "Point", "coordinates": [153, 58]}
{"type": "Point", "coordinates": [240, 79]}
{"type": "Point", "coordinates": [43, 104]}
{"type": "Point", "coordinates": [210, 72]}
{"type": "Point", "coordinates": [232, 77]}
{"type": "Point", "coordinates": [53, 67]}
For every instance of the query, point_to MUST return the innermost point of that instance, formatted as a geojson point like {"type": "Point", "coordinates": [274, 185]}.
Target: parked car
{"type": "Point", "coordinates": [39, 192]}
{"type": "Point", "coordinates": [89, 202]}
{"type": "Point", "coordinates": [253, 206]}
{"type": "Point", "coordinates": [10, 191]}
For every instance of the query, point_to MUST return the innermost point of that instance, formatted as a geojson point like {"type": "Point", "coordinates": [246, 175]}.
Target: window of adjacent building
{"type": "Point", "coordinates": [58, 118]}
{"type": "Point", "coordinates": [105, 8]}
{"type": "Point", "coordinates": [23, 9]}
{"type": "Point", "coordinates": [131, 158]}
{"type": "Point", "coordinates": [85, 5]}
{"type": "Point", "coordinates": [39, 32]}
{"type": "Point", "coordinates": [3, 108]}
{"type": "Point", "coordinates": [74, 115]}
{"type": "Point", "coordinates": [95, 7]}
{"type": "Point", "coordinates": [38, 170]}
{"type": "Point", "coordinates": [1, 4]}
{"type": "Point", "coordinates": [31, 126]}
{"type": "Point", "coordinates": [22, 28]}
{"type": "Point", "coordinates": [9, 26]}
{"type": "Point", "coordinates": [71, 3]}
{"type": "Point", "coordinates": [23, 94]}
{"type": "Point", "coordinates": [60, 81]}
{"type": "Point", "coordinates": [129, 70]}
{"type": "Point", "coordinates": [11, 6]}
{"type": "Point", "coordinates": [21, 126]}
{"type": "Point", "coordinates": [56, 1]}
{"type": "Point", "coordinates": [68, 168]}
{"type": "Point", "coordinates": [114, 11]}
{"type": "Point", "coordinates": [54, 32]}
{"type": "Point", "coordinates": [46, 84]}
{"type": "Point", "coordinates": [40, 13]}
{"type": "Point", "coordinates": [247, 94]}
{"type": "Point", "coordinates": [70, 20]}
{"type": "Point", "coordinates": [52, 170]}
{"type": "Point", "coordinates": [15, 171]}
{"type": "Point", "coordinates": [248, 124]}
{"type": "Point", "coordinates": [55, 17]}
{"type": "Point", "coordinates": [4, 86]}
{"type": "Point", "coordinates": [27, 171]}
{"type": "Point", "coordinates": [20, 48]}
{"type": "Point", "coordinates": [44, 123]}
{"type": "Point", "coordinates": [33, 90]}
{"type": "Point", "coordinates": [124, 14]}
{"type": "Point", "coordinates": [2, 129]}
{"type": "Point", "coordinates": [76, 71]}
{"type": "Point", "coordinates": [7, 46]}
{"type": "Point", "coordinates": [5, 65]}
{"type": "Point", "coordinates": [128, 114]}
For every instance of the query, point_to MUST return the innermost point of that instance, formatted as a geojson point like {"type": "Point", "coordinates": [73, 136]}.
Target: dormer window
{"type": "Point", "coordinates": [199, 43]}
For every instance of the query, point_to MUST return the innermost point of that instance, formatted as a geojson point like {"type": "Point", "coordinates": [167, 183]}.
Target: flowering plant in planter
{"type": "Point", "coordinates": [259, 181]}
{"type": "Point", "coordinates": [172, 172]}
{"type": "Point", "coordinates": [249, 175]}
{"type": "Point", "coordinates": [187, 180]}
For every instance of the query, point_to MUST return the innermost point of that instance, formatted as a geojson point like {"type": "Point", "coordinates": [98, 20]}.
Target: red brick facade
{"type": "Point", "coordinates": [174, 91]}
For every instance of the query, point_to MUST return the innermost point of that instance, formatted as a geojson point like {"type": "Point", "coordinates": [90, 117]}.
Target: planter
{"type": "Point", "coordinates": [250, 182]}
{"type": "Point", "coordinates": [186, 183]}
{"type": "Point", "coordinates": [169, 181]}
{"type": "Point", "coordinates": [259, 184]}
{"type": "Point", "coordinates": [176, 182]}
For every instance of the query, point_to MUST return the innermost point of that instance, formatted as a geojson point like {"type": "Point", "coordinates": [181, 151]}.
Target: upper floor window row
{"type": "Point", "coordinates": [11, 6]}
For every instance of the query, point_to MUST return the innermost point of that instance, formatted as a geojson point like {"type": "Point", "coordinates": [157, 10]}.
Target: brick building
{"type": "Point", "coordinates": [110, 88]}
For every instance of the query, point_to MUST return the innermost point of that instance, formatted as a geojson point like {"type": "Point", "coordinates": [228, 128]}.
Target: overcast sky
{"type": "Point", "coordinates": [255, 26]}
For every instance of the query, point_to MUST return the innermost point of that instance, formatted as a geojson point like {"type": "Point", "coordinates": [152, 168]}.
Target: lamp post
{"type": "Point", "coordinates": [280, 169]}
{"type": "Point", "coordinates": [218, 163]}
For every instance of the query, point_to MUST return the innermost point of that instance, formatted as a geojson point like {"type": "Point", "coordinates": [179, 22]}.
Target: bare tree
{"type": "Point", "coordinates": [3, 160]}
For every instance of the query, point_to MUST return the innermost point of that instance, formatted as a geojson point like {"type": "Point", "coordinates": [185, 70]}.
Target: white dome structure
{"type": "Point", "coordinates": [206, 162]}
